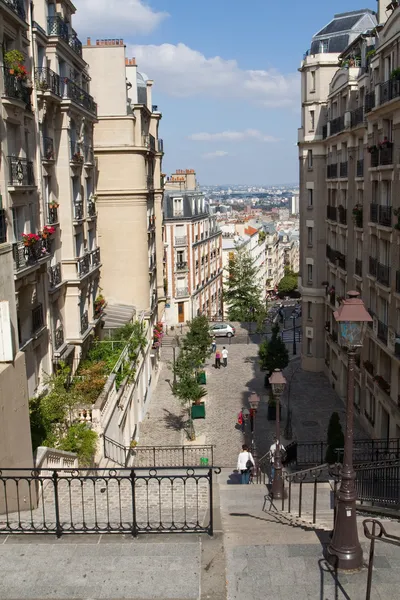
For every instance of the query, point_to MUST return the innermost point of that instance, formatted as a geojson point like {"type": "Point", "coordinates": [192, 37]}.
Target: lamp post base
{"type": "Point", "coordinates": [345, 552]}
{"type": "Point", "coordinates": [277, 484]}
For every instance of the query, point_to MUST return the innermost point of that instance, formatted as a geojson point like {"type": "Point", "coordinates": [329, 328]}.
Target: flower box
{"type": "Point", "coordinates": [198, 411]}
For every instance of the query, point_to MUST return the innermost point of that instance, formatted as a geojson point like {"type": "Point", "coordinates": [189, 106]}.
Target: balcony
{"type": "Point", "coordinates": [358, 267]}
{"type": "Point", "coordinates": [181, 266]}
{"type": "Point", "coordinates": [337, 125]}
{"type": "Point", "coordinates": [324, 132]}
{"type": "Point", "coordinates": [95, 258]}
{"type": "Point", "coordinates": [21, 172]}
{"type": "Point", "coordinates": [78, 211]}
{"type": "Point", "coordinates": [357, 116]}
{"type": "Point", "coordinates": [182, 292]}
{"type": "Point", "coordinates": [56, 26]}
{"type": "Point", "coordinates": [386, 155]}
{"type": "Point", "coordinates": [73, 92]}
{"type": "Point", "coordinates": [382, 332]}
{"type": "Point", "coordinates": [332, 171]}
{"type": "Point", "coordinates": [52, 213]}
{"type": "Point", "coordinates": [180, 241]}
{"type": "Point", "coordinates": [58, 337]}
{"type": "Point", "coordinates": [383, 274]}
{"type": "Point", "coordinates": [331, 213]}
{"type": "Point", "coordinates": [75, 43]}
{"type": "Point", "coordinates": [331, 254]}
{"type": "Point", "coordinates": [91, 208]}
{"type": "Point", "coordinates": [374, 156]}
{"type": "Point", "coordinates": [27, 256]}
{"type": "Point", "coordinates": [369, 102]}
{"type": "Point", "coordinates": [16, 6]}
{"type": "Point", "coordinates": [360, 168]}
{"type": "Point", "coordinates": [88, 155]}
{"type": "Point", "coordinates": [48, 149]}
{"type": "Point", "coordinates": [84, 322]}
{"type": "Point", "coordinates": [343, 171]}
{"type": "Point", "coordinates": [47, 80]}
{"type": "Point", "coordinates": [16, 88]}
{"type": "Point", "coordinates": [373, 266]}
{"type": "Point", "coordinates": [385, 216]}
{"type": "Point", "coordinates": [152, 143]}
{"type": "Point", "coordinates": [37, 319]}
{"type": "Point", "coordinates": [341, 260]}
{"type": "Point", "coordinates": [389, 90]}
{"type": "Point", "coordinates": [160, 145]}
{"type": "Point", "coordinates": [54, 274]}
{"type": "Point", "coordinates": [150, 182]}
{"type": "Point", "coordinates": [83, 265]}
{"type": "Point", "coordinates": [76, 155]}
{"type": "Point", "coordinates": [342, 212]}
{"type": "Point", "coordinates": [373, 213]}
{"type": "Point", "coordinates": [398, 282]}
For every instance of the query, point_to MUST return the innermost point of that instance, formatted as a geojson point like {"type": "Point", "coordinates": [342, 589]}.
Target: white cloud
{"type": "Point", "coordinates": [232, 136]}
{"type": "Point", "coordinates": [182, 72]}
{"type": "Point", "coordinates": [216, 154]}
{"type": "Point", "coordinates": [103, 18]}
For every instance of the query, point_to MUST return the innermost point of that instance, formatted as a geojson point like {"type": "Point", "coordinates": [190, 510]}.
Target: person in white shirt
{"type": "Point", "coordinates": [225, 356]}
{"type": "Point", "coordinates": [243, 464]}
{"type": "Point", "coordinates": [272, 452]}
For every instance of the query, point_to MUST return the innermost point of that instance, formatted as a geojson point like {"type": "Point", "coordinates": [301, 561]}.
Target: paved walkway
{"type": "Point", "coordinates": [311, 397]}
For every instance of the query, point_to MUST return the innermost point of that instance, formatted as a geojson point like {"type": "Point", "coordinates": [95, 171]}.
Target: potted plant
{"type": "Point", "coordinates": [47, 231]}
{"type": "Point", "coordinates": [133, 444]}
{"type": "Point", "coordinates": [99, 305]}
{"type": "Point", "coordinates": [385, 143]}
{"type": "Point", "coordinates": [53, 204]}
{"type": "Point", "coordinates": [14, 59]}
{"type": "Point", "coordinates": [30, 239]}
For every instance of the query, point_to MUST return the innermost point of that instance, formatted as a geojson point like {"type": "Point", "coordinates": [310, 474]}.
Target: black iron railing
{"type": "Point", "coordinates": [358, 267]}
{"type": "Point", "coordinates": [54, 274]}
{"type": "Point", "coordinates": [342, 211]}
{"type": "Point", "coordinates": [71, 91]}
{"type": "Point", "coordinates": [383, 274]}
{"type": "Point", "coordinates": [389, 90]}
{"type": "Point", "coordinates": [373, 266]}
{"type": "Point", "coordinates": [374, 157]}
{"type": "Point", "coordinates": [332, 171]}
{"type": "Point", "coordinates": [158, 456]}
{"type": "Point", "coordinates": [21, 171]}
{"type": "Point", "coordinates": [379, 483]}
{"type": "Point", "coordinates": [376, 533]}
{"type": "Point", "coordinates": [75, 43]}
{"type": "Point", "coordinates": [83, 265]}
{"type": "Point", "coordinates": [324, 131]}
{"type": "Point", "coordinates": [385, 216]}
{"type": "Point", "coordinates": [337, 125]}
{"type": "Point", "coordinates": [331, 254]}
{"type": "Point", "coordinates": [341, 260]}
{"type": "Point", "coordinates": [16, 88]}
{"type": "Point", "coordinates": [91, 208]}
{"type": "Point", "coordinates": [382, 332]}
{"type": "Point", "coordinates": [47, 80]}
{"type": "Point", "coordinates": [76, 154]}
{"type": "Point", "coordinates": [17, 6]}
{"type": "Point", "coordinates": [125, 501]}
{"type": "Point", "coordinates": [84, 322]}
{"type": "Point", "coordinates": [57, 26]}
{"type": "Point", "coordinates": [386, 155]}
{"type": "Point", "coordinates": [95, 257]}
{"type": "Point", "coordinates": [373, 213]}
{"type": "Point", "coordinates": [52, 213]}
{"type": "Point", "coordinates": [48, 149]}
{"type": "Point", "coordinates": [398, 282]}
{"type": "Point", "coordinates": [357, 116]}
{"type": "Point", "coordinates": [78, 210]}
{"type": "Point", "coordinates": [331, 213]}
{"type": "Point", "coordinates": [360, 168]}
{"type": "Point", "coordinates": [37, 318]}
{"type": "Point", "coordinates": [181, 266]}
{"type": "Point", "coordinates": [343, 171]}
{"type": "Point", "coordinates": [58, 337]}
{"type": "Point", "coordinates": [369, 101]}
{"type": "Point", "coordinates": [27, 256]}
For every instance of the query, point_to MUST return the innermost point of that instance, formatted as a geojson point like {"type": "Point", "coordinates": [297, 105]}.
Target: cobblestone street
{"type": "Point", "coordinates": [312, 401]}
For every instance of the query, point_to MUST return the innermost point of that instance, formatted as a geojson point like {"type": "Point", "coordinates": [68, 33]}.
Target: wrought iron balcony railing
{"type": "Point", "coordinates": [374, 157]}
{"type": "Point", "coordinates": [76, 152]}
{"type": "Point", "coordinates": [54, 274]}
{"type": "Point", "coordinates": [150, 181]}
{"type": "Point", "coordinates": [95, 257]}
{"type": "Point", "coordinates": [385, 216]}
{"type": "Point", "coordinates": [17, 6]}
{"type": "Point", "coordinates": [78, 211]}
{"type": "Point", "coordinates": [389, 90]}
{"type": "Point", "coordinates": [332, 171]}
{"type": "Point", "coordinates": [386, 155]}
{"type": "Point", "coordinates": [382, 332]}
{"type": "Point", "coordinates": [369, 101]}
{"type": "Point", "coordinates": [324, 131]}
{"type": "Point", "coordinates": [52, 213]}
{"type": "Point", "coordinates": [160, 144]}
{"type": "Point", "coordinates": [357, 116]}
{"type": "Point", "coordinates": [84, 322]}
{"type": "Point", "coordinates": [373, 266]}
{"type": "Point", "coordinates": [47, 80]}
{"type": "Point", "coordinates": [26, 256]}
{"type": "Point", "coordinates": [91, 208]}
{"type": "Point", "coordinates": [73, 92]}
{"type": "Point", "coordinates": [342, 212]}
{"type": "Point", "coordinates": [358, 267]}
{"type": "Point", "coordinates": [331, 213]}
{"type": "Point", "coordinates": [83, 265]}
{"type": "Point", "coordinates": [337, 125]}
{"type": "Point", "coordinates": [373, 213]}
{"type": "Point", "coordinates": [383, 274]}
{"type": "Point", "coordinates": [37, 318]}
{"type": "Point", "coordinates": [331, 254]}
{"type": "Point", "coordinates": [16, 88]}
{"type": "Point", "coordinates": [75, 43]}
{"type": "Point", "coordinates": [58, 27]}
{"type": "Point", "coordinates": [58, 337]}
{"type": "Point", "coordinates": [343, 169]}
{"type": "Point", "coordinates": [341, 260]}
{"type": "Point", "coordinates": [48, 149]}
{"type": "Point", "coordinates": [21, 171]}
{"type": "Point", "coordinates": [360, 168]}
{"type": "Point", "coordinates": [181, 266]}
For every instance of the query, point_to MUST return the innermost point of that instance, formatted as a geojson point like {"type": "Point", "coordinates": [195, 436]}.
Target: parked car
{"type": "Point", "coordinates": [222, 330]}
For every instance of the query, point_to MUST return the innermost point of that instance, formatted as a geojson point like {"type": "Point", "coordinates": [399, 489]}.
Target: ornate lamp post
{"type": "Point", "coordinates": [344, 550]}
{"type": "Point", "coordinates": [254, 401]}
{"type": "Point", "coordinates": [278, 383]}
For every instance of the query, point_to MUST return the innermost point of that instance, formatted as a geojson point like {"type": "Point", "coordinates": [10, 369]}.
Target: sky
{"type": "Point", "coordinates": [225, 77]}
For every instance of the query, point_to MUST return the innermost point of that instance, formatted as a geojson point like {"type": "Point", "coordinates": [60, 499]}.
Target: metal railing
{"type": "Point", "coordinates": [17, 6]}
{"type": "Point", "coordinates": [331, 213]}
{"type": "Point", "coordinates": [343, 171]}
{"type": "Point", "coordinates": [71, 91]}
{"type": "Point", "coordinates": [360, 168]}
{"type": "Point", "coordinates": [124, 501]}
{"type": "Point", "coordinates": [385, 216]}
{"type": "Point", "coordinates": [383, 274]}
{"type": "Point", "coordinates": [357, 116]}
{"type": "Point", "coordinates": [389, 90]}
{"type": "Point", "coordinates": [342, 215]}
{"type": "Point", "coordinates": [331, 254]}
{"type": "Point", "coordinates": [373, 213]}
{"type": "Point", "coordinates": [337, 125]}
{"type": "Point", "coordinates": [382, 332]}
{"type": "Point", "coordinates": [95, 257]}
{"type": "Point", "coordinates": [47, 80]}
{"type": "Point", "coordinates": [91, 208]}
{"type": "Point", "coordinates": [58, 27]}
{"type": "Point", "coordinates": [26, 256]}
{"type": "Point", "coordinates": [52, 213]}
{"type": "Point", "coordinates": [84, 322]}
{"type": "Point", "coordinates": [369, 101]}
{"type": "Point", "coordinates": [75, 43]}
{"type": "Point", "coordinates": [374, 157]}
{"type": "Point", "coordinates": [373, 266]}
{"type": "Point", "coordinates": [54, 274]}
{"type": "Point", "coordinates": [48, 149]}
{"type": "Point", "coordinates": [158, 456]}
{"type": "Point", "coordinates": [20, 171]}
{"type": "Point", "coordinates": [181, 266]}
{"type": "Point", "coordinates": [83, 265]}
{"type": "Point", "coordinates": [376, 533]}
{"type": "Point", "coordinates": [37, 318]}
{"type": "Point", "coordinates": [332, 171]}
{"type": "Point", "coordinates": [58, 337]}
{"type": "Point", "coordinates": [15, 88]}
{"type": "Point", "coordinates": [341, 260]}
{"type": "Point", "coordinates": [358, 267]}
{"type": "Point", "coordinates": [76, 152]}
{"type": "Point", "coordinates": [378, 484]}
{"type": "Point", "coordinates": [78, 210]}
{"type": "Point", "coordinates": [386, 155]}
{"type": "Point", "coordinates": [88, 154]}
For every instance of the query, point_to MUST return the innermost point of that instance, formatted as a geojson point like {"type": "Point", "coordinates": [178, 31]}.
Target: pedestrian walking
{"type": "Point", "coordinates": [213, 345]}
{"type": "Point", "coordinates": [245, 464]}
{"type": "Point", "coordinates": [217, 359]}
{"type": "Point", "coordinates": [225, 356]}
{"type": "Point", "coordinates": [241, 420]}
{"type": "Point", "coordinates": [272, 452]}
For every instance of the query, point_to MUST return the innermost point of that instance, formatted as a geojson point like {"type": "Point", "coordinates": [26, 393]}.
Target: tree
{"type": "Point", "coordinates": [335, 438]}
{"type": "Point", "coordinates": [242, 291]}
{"type": "Point", "coordinates": [197, 340]}
{"type": "Point", "coordinates": [273, 354]}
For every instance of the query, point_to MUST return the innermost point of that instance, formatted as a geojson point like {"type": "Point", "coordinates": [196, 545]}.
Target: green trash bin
{"type": "Point", "coordinates": [201, 378]}
{"type": "Point", "coordinates": [204, 461]}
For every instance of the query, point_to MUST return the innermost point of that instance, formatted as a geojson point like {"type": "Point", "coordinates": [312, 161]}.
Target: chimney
{"type": "Point", "coordinates": [88, 42]}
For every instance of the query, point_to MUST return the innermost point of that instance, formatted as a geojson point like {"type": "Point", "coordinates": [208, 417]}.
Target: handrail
{"type": "Point", "coordinates": [374, 536]}
{"type": "Point", "coordinates": [305, 472]}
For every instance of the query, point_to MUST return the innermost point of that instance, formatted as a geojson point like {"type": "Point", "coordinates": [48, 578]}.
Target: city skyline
{"type": "Point", "coordinates": [227, 87]}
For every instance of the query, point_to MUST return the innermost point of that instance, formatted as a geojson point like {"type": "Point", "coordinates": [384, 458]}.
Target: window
{"type": "Point", "coordinates": [309, 341]}
{"type": "Point", "coordinates": [312, 120]}
{"type": "Point", "coordinates": [309, 159]}
{"type": "Point", "coordinates": [309, 307]}
{"type": "Point", "coordinates": [178, 207]}
{"type": "Point", "coordinates": [386, 193]}
{"type": "Point", "coordinates": [309, 273]}
{"type": "Point", "coordinates": [309, 236]}
{"type": "Point", "coordinates": [3, 226]}
{"type": "Point", "coordinates": [323, 46]}
{"type": "Point", "coordinates": [312, 86]}
{"type": "Point", "coordinates": [18, 217]}
{"type": "Point", "coordinates": [310, 194]}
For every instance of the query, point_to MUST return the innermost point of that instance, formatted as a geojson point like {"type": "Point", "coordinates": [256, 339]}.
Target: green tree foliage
{"type": "Point", "coordinates": [82, 440]}
{"type": "Point", "coordinates": [335, 438]}
{"type": "Point", "coordinates": [197, 340]}
{"type": "Point", "coordinates": [288, 283]}
{"type": "Point", "coordinates": [242, 292]}
{"type": "Point", "coordinates": [273, 353]}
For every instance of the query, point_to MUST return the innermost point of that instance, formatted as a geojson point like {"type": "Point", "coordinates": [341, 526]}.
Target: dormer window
{"type": "Point", "coordinates": [178, 207]}
{"type": "Point", "coordinates": [323, 46]}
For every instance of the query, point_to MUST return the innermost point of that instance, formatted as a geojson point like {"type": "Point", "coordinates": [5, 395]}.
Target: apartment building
{"type": "Point", "coordinates": [193, 252]}
{"type": "Point", "coordinates": [272, 270]}
{"type": "Point", "coordinates": [47, 183]}
{"type": "Point", "coordinates": [349, 207]}
{"type": "Point", "coordinates": [130, 188]}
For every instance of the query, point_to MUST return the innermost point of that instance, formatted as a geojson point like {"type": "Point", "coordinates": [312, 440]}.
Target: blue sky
{"type": "Point", "coordinates": [225, 77]}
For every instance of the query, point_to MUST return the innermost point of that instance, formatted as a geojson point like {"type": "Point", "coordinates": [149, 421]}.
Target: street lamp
{"type": "Point", "coordinates": [254, 401]}
{"type": "Point", "coordinates": [278, 383]}
{"type": "Point", "coordinates": [345, 551]}
{"type": "Point", "coordinates": [294, 335]}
